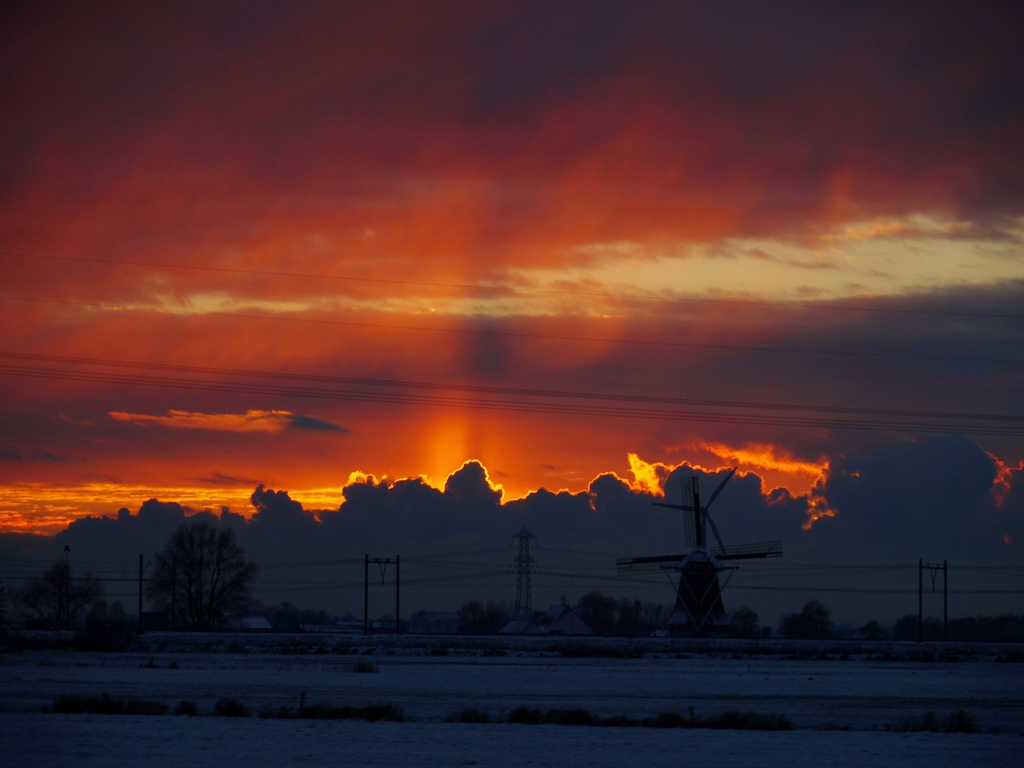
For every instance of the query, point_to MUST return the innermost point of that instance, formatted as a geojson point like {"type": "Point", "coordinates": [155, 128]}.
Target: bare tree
{"type": "Point", "coordinates": [55, 600]}
{"type": "Point", "coordinates": [814, 622]}
{"type": "Point", "coordinates": [745, 623]}
{"type": "Point", "coordinates": [202, 576]}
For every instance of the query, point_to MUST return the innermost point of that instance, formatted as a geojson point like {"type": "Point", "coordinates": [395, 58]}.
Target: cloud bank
{"type": "Point", "coordinates": [936, 499]}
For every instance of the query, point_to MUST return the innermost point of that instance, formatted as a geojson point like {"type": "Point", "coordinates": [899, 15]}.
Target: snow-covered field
{"type": "Point", "coordinates": [41, 741]}
{"type": "Point", "coordinates": [842, 709]}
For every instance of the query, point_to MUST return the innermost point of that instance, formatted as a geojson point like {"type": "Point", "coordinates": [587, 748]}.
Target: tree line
{"type": "Point", "coordinates": [201, 580]}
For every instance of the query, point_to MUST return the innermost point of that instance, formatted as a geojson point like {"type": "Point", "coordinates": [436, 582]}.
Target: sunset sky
{"type": "Point", "coordinates": [300, 244]}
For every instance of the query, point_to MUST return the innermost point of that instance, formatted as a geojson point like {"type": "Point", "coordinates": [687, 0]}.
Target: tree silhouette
{"type": "Point", "coordinates": [873, 631]}
{"type": "Point", "coordinates": [745, 623]}
{"type": "Point", "coordinates": [480, 619]}
{"type": "Point", "coordinates": [599, 611]}
{"type": "Point", "coordinates": [203, 576]}
{"type": "Point", "coordinates": [814, 622]}
{"type": "Point", "coordinates": [54, 600]}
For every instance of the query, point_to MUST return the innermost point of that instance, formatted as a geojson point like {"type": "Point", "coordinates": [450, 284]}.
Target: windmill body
{"type": "Point", "coordinates": [698, 608]}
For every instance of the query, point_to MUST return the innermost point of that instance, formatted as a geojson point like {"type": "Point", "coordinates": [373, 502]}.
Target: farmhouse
{"type": "Point", "coordinates": [556, 620]}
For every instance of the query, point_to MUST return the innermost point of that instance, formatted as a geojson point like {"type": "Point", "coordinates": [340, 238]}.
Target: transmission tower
{"type": "Point", "coordinates": [524, 566]}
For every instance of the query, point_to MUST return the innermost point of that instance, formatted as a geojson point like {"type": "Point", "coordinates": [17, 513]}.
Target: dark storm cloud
{"type": "Point", "coordinates": [310, 422]}
{"type": "Point", "coordinates": [276, 510]}
{"type": "Point", "coordinates": [925, 491]}
{"type": "Point", "coordinates": [897, 501]}
{"type": "Point", "coordinates": [933, 496]}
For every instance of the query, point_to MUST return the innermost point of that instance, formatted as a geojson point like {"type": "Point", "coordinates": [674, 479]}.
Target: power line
{"type": "Point", "coordinates": [858, 590]}
{"type": "Point", "coordinates": [513, 406]}
{"type": "Point", "coordinates": [732, 415]}
{"type": "Point", "coordinates": [513, 290]}
{"type": "Point", "coordinates": [536, 336]}
{"type": "Point", "coordinates": [490, 389]}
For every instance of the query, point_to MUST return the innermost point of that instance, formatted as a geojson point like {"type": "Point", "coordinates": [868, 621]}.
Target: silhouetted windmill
{"type": "Point", "coordinates": [698, 609]}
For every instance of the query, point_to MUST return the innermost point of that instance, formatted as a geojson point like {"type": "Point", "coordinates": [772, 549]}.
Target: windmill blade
{"type": "Point", "coordinates": [718, 490]}
{"type": "Point", "coordinates": [673, 506]}
{"type": "Point", "coordinates": [751, 551]}
{"type": "Point", "coordinates": [628, 566]}
{"type": "Point", "coordinates": [714, 528]}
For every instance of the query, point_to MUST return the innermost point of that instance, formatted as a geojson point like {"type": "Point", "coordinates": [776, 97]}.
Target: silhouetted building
{"type": "Point", "coordinates": [556, 620]}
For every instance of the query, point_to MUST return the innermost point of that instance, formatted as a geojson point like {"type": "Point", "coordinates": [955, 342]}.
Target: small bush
{"type": "Point", "coordinates": [668, 720]}
{"type": "Point", "coordinates": [571, 717]}
{"type": "Point", "coordinates": [186, 707]}
{"type": "Point", "coordinates": [105, 705]}
{"type": "Point", "coordinates": [961, 722]}
{"type": "Point", "coordinates": [372, 712]}
{"type": "Point", "coordinates": [381, 712]}
{"type": "Point", "coordinates": [231, 708]}
{"type": "Point", "coordinates": [323, 712]}
{"type": "Point", "coordinates": [524, 715]}
{"type": "Point", "coordinates": [363, 667]}
{"type": "Point", "coordinates": [468, 715]}
{"type": "Point", "coordinates": [747, 721]}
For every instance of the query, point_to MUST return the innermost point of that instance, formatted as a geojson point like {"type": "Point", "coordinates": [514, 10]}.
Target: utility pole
{"type": "Point", "coordinates": [920, 600]}
{"type": "Point", "coordinates": [945, 603]}
{"type": "Point", "coordinates": [174, 593]}
{"type": "Point", "coordinates": [140, 594]}
{"type": "Point", "coordinates": [383, 562]}
{"type": "Point", "coordinates": [933, 569]}
{"type": "Point", "coordinates": [64, 600]}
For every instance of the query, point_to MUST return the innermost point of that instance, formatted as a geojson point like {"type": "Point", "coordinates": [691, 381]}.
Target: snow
{"type": "Point", "coordinates": [430, 681]}
{"type": "Point", "coordinates": [92, 741]}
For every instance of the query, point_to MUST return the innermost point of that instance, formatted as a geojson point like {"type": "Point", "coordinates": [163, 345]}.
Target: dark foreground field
{"type": "Point", "coordinates": [300, 698]}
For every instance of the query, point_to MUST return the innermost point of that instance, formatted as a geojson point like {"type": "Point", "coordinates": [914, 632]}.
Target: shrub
{"type": "Point", "coordinates": [524, 715]}
{"type": "Point", "coordinates": [668, 720]}
{"type": "Point", "coordinates": [105, 705]}
{"type": "Point", "coordinates": [747, 721]}
{"type": "Point", "coordinates": [961, 722]}
{"type": "Point", "coordinates": [570, 717]}
{"type": "Point", "coordinates": [186, 707]}
{"type": "Point", "coordinates": [372, 712]}
{"type": "Point", "coordinates": [469, 715]}
{"type": "Point", "coordinates": [231, 708]}
{"type": "Point", "coordinates": [381, 712]}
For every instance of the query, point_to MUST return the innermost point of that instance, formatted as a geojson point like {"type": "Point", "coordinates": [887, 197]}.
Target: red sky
{"type": "Point", "coordinates": [817, 208]}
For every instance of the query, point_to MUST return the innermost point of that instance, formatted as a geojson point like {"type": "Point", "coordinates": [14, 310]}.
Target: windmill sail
{"type": "Point", "coordinates": [638, 566]}
{"type": "Point", "coordinates": [698, 607]}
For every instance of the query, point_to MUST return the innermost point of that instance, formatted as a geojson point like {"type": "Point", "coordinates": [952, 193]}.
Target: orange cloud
{"type": "Point", "coordinates": [769, 457]}
{"type": "Point", "coordinates": [649, 477]}
{"type": "Point", "coordinates": [1004, 479]}
{"type": "Point", "coordinates": [777, 465]}
{"type": "Point", "coordinates": [273, 422]}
